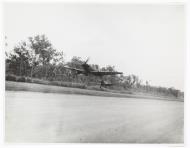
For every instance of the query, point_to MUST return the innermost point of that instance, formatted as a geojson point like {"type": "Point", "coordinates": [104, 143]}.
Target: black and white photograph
{"type": "Point", "coordinates": [110, 73]}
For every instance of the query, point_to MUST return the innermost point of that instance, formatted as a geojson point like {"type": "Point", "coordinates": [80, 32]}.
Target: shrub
{"type": "Point", "coordinates": [68, 84]}
{"type": "Point", "coordinates": [38, 81]}
{"type": "Point", "coordinates": [29, 80]}
{"type": "Point", "coordinates": [21, 79]}
{"type": "Point", "coordinates": [10, 77]}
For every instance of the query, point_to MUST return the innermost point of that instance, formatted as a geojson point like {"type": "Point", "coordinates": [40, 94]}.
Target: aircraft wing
{"type": "Point", "coordinates": [102, 73]}
{"type": "Point", "coordinates": [75, 69]}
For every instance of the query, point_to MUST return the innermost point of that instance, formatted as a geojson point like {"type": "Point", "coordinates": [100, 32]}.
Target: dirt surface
{"type": "Point", "coordinates": [50, 117]}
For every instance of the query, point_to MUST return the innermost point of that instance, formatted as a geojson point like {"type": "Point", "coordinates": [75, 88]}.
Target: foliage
{"type": "Point", "coordinates": [21, 79]}
{"type": "Point", "coordinates": [37, 61]}
{"type": "Point", "coordinates": [10, 77]}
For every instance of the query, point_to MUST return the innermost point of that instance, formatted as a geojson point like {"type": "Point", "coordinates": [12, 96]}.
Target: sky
{"type": "Point", "coordinates": [147, 40]}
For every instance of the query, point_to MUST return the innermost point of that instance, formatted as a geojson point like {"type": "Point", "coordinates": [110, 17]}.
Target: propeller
{"type": "Point", "coordinates": [86, 60]}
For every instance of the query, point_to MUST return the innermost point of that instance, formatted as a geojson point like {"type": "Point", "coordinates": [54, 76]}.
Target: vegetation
{"type": "Point", "coordinates": [37, 61]}
{"type": "Point", "coordinates": [95, 91]}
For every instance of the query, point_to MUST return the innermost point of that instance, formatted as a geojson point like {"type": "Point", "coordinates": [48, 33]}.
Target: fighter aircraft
{"type": "Point", "coordinates": [87, 70]}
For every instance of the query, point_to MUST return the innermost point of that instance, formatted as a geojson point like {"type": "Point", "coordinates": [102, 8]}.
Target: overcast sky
{"type": "Point", "coordinates": [145, 40]}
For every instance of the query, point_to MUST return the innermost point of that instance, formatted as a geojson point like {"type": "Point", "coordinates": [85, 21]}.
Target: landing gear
{"type": "Point", "coordinates": [101, 83]}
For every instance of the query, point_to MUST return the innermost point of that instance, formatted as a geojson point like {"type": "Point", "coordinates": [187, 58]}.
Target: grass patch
{"type": "Point", "coordinates": [71, 85]}
{"type": "Point", "coordinates": [20, 86]}
{"type": "Point", "coordinates": [45, 82]}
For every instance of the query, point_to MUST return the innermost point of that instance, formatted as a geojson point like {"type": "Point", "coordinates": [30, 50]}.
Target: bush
{"type": "Point", "coordinates": [38, 81]}
{"type": "Point", "coordinates": [10, 77]}
{"type": "Point", "coordinates": [21, 79]}
{"type": "Point", "coordinates": [68, 84]}
{"type": "Point", "coordinates": [29, 80]}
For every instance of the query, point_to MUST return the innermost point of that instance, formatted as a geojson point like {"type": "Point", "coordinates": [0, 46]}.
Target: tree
{"type": "Point", "coordinates": [76, 62]}
{"type": "Point", "coordinates": [33, 60]}
{"type": "Point", "coordinates": [58, 58]}
{"type": "Point", "coordinates": [36, 57]}
{"type": "Point", "coordinates": [42, 47]}
{"type": "Point", "coordinates": [174, 91]}
{"type": "Point", "coordinates": [20, 59]}
{"type": "Point", "coordinates": [95, 67]}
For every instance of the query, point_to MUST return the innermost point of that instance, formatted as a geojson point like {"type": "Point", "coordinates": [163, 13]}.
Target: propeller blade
{"type": "Point", "coordinates": [86, 60]}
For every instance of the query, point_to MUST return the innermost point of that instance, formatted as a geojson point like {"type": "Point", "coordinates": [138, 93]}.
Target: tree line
{"type": "Point", "coordinates": [36, 58]}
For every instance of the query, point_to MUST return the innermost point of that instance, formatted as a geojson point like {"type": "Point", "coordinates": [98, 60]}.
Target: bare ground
{"type": "Point", "coordinates": [50, 117]}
